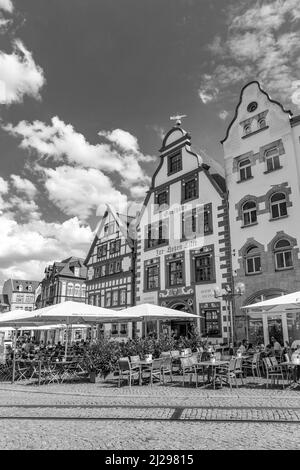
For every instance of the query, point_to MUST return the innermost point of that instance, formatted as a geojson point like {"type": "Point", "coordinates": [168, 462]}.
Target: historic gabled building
{"type": "Point", "coordinates": [64, 280]}
{"type": "Point", "coordinates": [19, 294]}
{"type": "Point", "coordinates": [183, 246]}
{"type": "Point", "coordinates": [111, 269]}
{"type": "Point", "coordinates": [262, 163]}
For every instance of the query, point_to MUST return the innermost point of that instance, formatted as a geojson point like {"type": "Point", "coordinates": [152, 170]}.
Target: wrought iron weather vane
{"type": "Point", "coordinates": [178, 118]}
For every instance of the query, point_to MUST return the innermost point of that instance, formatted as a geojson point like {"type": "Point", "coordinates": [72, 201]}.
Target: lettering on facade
{"type": "Point", "coordinates": [183, 246]}
{"type": "Point", "coordinates": [176, 291]}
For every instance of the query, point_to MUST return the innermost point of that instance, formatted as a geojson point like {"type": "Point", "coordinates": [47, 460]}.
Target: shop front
{"type": "Point", "coordinates": [284, 327]}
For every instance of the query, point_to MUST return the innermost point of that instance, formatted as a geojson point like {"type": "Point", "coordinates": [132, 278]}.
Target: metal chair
{"type": "Point", "coordinates": [126, 372]}
{"type": "Point", "coordinates": [272, 372]}
{"type": "Point", "coordinates": [227, 373]}
{"type": "Point", "coordinates": [167, 368]}
{"type": "Point", "coordinates": [135, 362]}
{"type": "Point", "coordinates": [188, 367]}
{"type": "Point", "coordinates": [253, 365]}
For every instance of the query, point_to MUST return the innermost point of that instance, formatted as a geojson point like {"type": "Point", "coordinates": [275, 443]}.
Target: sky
{"type": "Point", "coordinates": [87, 88]}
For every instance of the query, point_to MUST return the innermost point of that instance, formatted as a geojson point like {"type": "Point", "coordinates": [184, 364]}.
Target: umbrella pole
{"type": "Point", "coordinates": [157, 327]}
{"type": "Point", "coordinates": [14, 356]}
{"type": "Point", "coordinates": [67, 336]}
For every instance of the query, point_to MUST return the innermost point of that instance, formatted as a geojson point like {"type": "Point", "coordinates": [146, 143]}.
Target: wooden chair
{"type": "Point", "coordinates": [126, 372]}
{"type": "Point", "coordinates": [272, 373]}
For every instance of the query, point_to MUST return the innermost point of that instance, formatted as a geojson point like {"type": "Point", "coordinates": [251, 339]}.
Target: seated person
{"type": "Point", "coordinates": [276, 344]}
{"type": "Point", "coordinates": [295, 344]}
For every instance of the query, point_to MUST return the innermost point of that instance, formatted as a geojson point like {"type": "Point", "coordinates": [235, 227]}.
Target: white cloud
{"type": "Point", "coordinates": [6, 5]}
{"type": "Point", "coordinates": [262, 42]}
{"type": "Point", "coordinates": [25, 249]}
{"type": "Point", "coordinates": [61, 142]}
{"type": "Point", "coordinates": [23, 185]}
{"type": "Point", "coordinates": [79, 191]}
{"type": "Point", "coordinates": [19, 75]}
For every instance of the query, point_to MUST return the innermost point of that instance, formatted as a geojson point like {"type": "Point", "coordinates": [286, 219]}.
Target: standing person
{"type": "Point", "coordinates": [276, 346]}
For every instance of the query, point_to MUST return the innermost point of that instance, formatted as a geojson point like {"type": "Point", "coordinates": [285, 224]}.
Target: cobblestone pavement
{"type": "Point", "coordinates": [102, 416]}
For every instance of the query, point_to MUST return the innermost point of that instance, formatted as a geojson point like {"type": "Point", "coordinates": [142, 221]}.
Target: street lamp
{"type": "Point", "coordinates": [228, 296]}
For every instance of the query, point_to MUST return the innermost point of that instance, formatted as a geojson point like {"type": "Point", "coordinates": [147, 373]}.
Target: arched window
{"type": "Point", "coordinates": [261, 123]}
{"type": "Point", "coordinates": [29, 288]}
{"type": "Point", "coordinates": [70, 289]}
{"type": "Point", "coordinates": [283, 254]}
{"type": "Point", "coordinates": [247, 129]}
{"type": "Point", "coordinates": [278, 205]}
{"type": "Point", "coordinates": [253, 260]}
{"type": "Point", "coordinates": [77, 290]}
{"type": "Point", "coordinates": [20, 287]}
{"type": "Point", "coordinates": [272, 159]}
{"type": "Point", "coordinates": [249, 213]}
{"type": "Point", "coordinates": [245, 169]}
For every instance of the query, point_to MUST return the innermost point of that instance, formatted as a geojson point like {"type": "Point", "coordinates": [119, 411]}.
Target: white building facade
{"type": "Point", "coordinates": [183, 245]}
{"type": "Point", "coordinates": [262, 165]}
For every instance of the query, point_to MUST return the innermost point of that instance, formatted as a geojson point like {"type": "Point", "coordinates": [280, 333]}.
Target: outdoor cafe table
{"type": "Point", "coordinates": [295, 382]}
{"type": "Point", "coordinates": [213, 365]}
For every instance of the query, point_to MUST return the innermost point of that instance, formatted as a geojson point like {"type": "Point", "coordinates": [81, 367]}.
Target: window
{"type": "Point", "coordinates": [247, 129]}
{"type": "Point", "coordinates": [123, 329]}
{"type": "Point", "coordinates": [190, 190]}
{"type": "Point", "coordinates": [77, 290]}
{"type": "Point", "coordinates": [109, 228]}
{"type": "Point", "coordinates": [102, 270]}
{"type": "Point", "coordinates": [189, 224]}
{"type": "Point", "coordinates": [204, 268]}
{"type": "Point", "coordinates": [207, 221]}
{"type": "Point", "coordinates": [108, 298]}
{"type": "Point", "coordinates": [114, 329]}
{"type": "Point", "coordinates": [111, 268]}
{"type": "Point", "coordinates": [162, 199]}
{"type": "Point", "coordinates": [118, 266]}
{"type": "Point", "coordinates": [278, 205]}
{"type": "Point", "coordinates": [76, 272]}
{"type": "Point", "coordinates": [152, 277]}
{"type": "Point", "coordinates": [175, 163]}
{"type": "Point", "coordinates": [115, 246]}
{"type": "Point", "coordinates": [20, 288]}
{"type": "Point", "coordinates": [157, 234]}
{"type": "Point", "coordinates": [253, 260]}
{"type": "Point", "coordinates": [262, 123]}
{"type": "Point", "coordinates": [123, 297]}
{"type": "Point", "coordinates": [102, 250]}
{"type": "Point", "coordinates": [115, 298]}
{"type": "Point", "coordinates": [83, 290]}
{"type": "Point", "coordinates": [283, 254]}
{"type": "Point", "coordinates": [249, 213]}
{"type": "Point", "coordinates": [211, 323]}
{"type": "Point", "coordinates": [70, 290]}
{"type": "Point", "coordinates": [245, 169]}
{"type": "Point", "coordinates": [252, 107]}
{"type": "Point", "coordinates": [29, 288]}
{"type": "Point", "coordinates": [176, 273]}
{"type": "Point", "coordinates": [272, 159]}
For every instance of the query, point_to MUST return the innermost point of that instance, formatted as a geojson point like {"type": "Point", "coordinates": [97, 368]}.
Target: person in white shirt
{"type": "Point", "coordinates": [295, 343]}
{"type": "Point", "coordinates": [276, 345]}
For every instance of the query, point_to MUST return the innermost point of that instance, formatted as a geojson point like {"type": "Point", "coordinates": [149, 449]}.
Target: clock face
{"type": "Point", "coordinates": [252, 107]}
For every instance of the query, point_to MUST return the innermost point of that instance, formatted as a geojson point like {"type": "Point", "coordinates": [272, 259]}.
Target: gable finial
{"type": "Point", "coordinates": [178, 118]}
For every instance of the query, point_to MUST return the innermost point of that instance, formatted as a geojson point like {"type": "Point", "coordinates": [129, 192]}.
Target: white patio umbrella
{"type": "Point", "coordinates": [283, 303]}
{"type": "Point", "coordinates": [149, 312]}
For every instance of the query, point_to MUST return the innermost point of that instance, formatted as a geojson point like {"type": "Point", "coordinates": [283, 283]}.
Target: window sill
{"type": "Point", "coordinates": [156, 289]}
{"type": "Point", "coordinates": [255, 132]}
{"type": "Point", "coordinates": [284, 269]}
{"type": "Point", "coordinates": [278, 218]}
{"type": "Point", "coordinates": [246, 179]}
{"type": "Point", "coordinates": [183, 201]}
{"type": "Point", "coordinates": [271, 171]}
{"type": "Point", "coordinates": [157, 247]}
{"type": "Point", "coordinates": [249, 225]}
{"type": "Point", "coordinates": [213, 281]}
{"type": "Point", "coordinates": [253, 274]}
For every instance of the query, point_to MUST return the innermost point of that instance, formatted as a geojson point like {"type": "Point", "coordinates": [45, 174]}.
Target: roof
{"type": "Point", "coordinates": [119, 218]}
{"type": "Point", "coordinates": [240, 101]}
{"type": "Point", "coordinates": [25, 283]}
{"type": "Point", "coordinates": [295, 120]}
